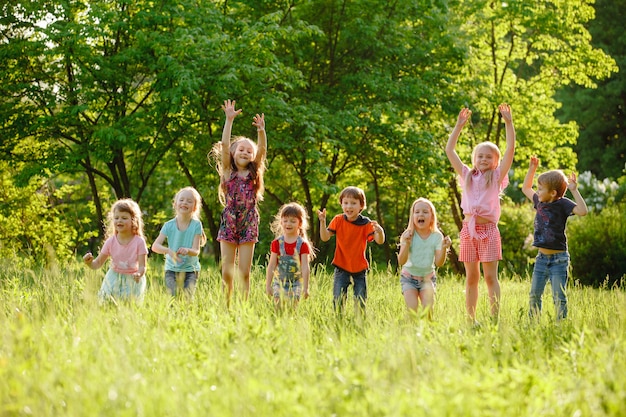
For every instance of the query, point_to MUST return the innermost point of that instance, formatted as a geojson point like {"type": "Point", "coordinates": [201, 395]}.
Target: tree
{"type": "Point", "coordinates": [600, 112]}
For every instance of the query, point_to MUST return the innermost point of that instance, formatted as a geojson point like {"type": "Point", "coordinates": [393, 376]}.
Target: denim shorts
{"type": "Point", "coordinates": [191, 277]}
{"type": "Point", "coordinates": [411, 282]}
{"type": "Point", "coordinates": [287, 289]}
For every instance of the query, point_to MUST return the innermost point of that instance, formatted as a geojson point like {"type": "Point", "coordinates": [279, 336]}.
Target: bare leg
{"type": "Point", "coordinates": [246, 252]}
{"type": "Point", "coordinates": [490, 271]}
{"type": "Point", "coordinates": [472, 270]}
{"type": "Point", "coordinates": [411, 298]}
{"type": "Point", "coordinates": [427, 296]}
{"type": "Point", "coordinates": [228, 252]}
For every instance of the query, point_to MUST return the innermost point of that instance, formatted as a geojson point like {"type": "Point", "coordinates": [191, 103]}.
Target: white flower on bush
{"type": "Point", "coordinates": [597, 193]}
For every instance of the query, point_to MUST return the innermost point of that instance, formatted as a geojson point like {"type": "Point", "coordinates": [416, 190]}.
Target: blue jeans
{"type": "Point", "coordinates": [342, 280]}
{"type": "Point", "coordinates": [189, 286]}
{"type": "Point", "coordinates": [554, 268]}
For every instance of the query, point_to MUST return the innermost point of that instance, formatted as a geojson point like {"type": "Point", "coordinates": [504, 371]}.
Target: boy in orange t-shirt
{"type": "Point", "coordinates": [353, 231]}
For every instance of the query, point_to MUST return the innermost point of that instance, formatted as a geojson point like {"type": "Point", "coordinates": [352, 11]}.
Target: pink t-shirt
{"type": "Point", "coordinates": [124, 258]}
{"type": "Point", "coordinates": [478, 200]}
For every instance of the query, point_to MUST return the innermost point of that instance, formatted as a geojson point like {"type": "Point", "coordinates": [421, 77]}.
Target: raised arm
{"type": "Point", "coordinates": [527, 186]}
{"type": "Point", "coordinates": [456, 162]}
{"type": "Point", "coordinates": [231, 113]}
{"type": "Point", "coordinates": [259, 122]}
{"type": "Point", "coordinates": [405, 245]}
{"type": "Point", "coordinates": [440, 254]}
{"type": "Point", "coordinates": [507, 159]}
{"type": "Point", "coordinates": [324, 233]}
{"type": "Point", "coordinates": [581, 206]}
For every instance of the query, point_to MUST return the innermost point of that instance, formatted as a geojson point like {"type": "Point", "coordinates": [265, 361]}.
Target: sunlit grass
{"type": "Point", "coordinates": [63, 354]}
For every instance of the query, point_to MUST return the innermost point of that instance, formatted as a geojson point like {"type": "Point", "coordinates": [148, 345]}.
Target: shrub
{"type": "Point", "coordinates": [597, 246]}
{"type": "Point", "coordinates": [516, 230]}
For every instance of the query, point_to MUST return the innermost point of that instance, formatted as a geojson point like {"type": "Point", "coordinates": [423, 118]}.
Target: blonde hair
{"type": "Point", "coordinates": [195, 213]}
{"type": "Point", "coordinates": [299, 212]}
{"type": "Point", "coordinates": [488, 173]}
{"type": "Point", "coordinates": [256, 169]}
{"type": "Point", "coordinates": [555, 180]}
{"type": "Point", "coordinates": [433, 220]}
{"type": "Point", "coordinates": [125, 205]}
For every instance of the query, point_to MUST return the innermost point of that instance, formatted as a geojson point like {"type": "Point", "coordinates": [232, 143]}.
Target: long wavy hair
{"type": "Point", "coordinates": [256, 169]}
{"type": "Point", "coordinates": [433, 226]}
{"type": "Point", "coordinates": [125, 205]}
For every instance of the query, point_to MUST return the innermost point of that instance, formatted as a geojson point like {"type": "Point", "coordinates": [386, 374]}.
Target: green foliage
{"type": "Point", "coordinates": [33, 227]}
{"type": "Point", "coordinates": [597, 244]}
{"type": "Point", "coordinates": [62, 354]}
{"type": "Point", "coordinates": [599, 112]}
{"type": "Point", "coordinates": [121, 99]}
{"type": "Point", "coordinates": [516, 231]}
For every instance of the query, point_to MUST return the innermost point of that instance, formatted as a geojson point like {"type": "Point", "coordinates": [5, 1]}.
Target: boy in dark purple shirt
{"type": "Point", "coordinates": [553, 209]}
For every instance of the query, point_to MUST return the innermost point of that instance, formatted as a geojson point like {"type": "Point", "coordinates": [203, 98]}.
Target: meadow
{"type": "Point", "coordinates": [61, 354]}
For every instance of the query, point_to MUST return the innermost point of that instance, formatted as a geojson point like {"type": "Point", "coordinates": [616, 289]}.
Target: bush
{"type": "Point", "coordinates": [516, 230]}
{"type": "Point", "coordinates": [597, 246]}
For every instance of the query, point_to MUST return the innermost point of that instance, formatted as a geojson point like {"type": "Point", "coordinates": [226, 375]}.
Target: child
{"type": "Point", "coordinates": [288, 269]}
{"type": "Point", "coordinates": [241, 165]}
{"type": "Point", "coordinates": [480, 201]}
{"type": "Point", "coordinates": [185, 237]}
{"type": "Point", "coordinates": [353, 231]}
{"type": "Point", "coordinates": [422, 248]}
{"type": "Point", "coordinates": [126, 246]}
{"type": "Point", "coordinates": [553, 209]}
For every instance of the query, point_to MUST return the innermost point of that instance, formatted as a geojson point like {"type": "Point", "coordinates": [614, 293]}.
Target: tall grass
{"type": "Point", "coordinates": [63, 354]}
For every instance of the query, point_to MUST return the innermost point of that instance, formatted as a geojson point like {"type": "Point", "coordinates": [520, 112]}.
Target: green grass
{"type": "Point", "coordinates": [63, 355]}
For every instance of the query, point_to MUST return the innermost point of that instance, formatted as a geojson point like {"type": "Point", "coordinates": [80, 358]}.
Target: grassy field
{"type": "Point", "coordinates": [63, 355]}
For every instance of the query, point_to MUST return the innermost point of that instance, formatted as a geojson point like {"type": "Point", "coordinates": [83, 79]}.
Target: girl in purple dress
{"type": "Point", "coordinates": [241, 165]}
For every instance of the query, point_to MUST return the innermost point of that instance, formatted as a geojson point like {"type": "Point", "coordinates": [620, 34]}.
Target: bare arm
{"type": "Point", "coordinates": [581, 206]}
{"type": "Point", "coordinates": [440, 255]}
{"type": "Point", "coordinates": [456, 162]}
{"type": "Point", "coordinates": [325, 234]}
{"type": "Point", "coordinates": [94, 263]}
{"type": "Point", "coordinates": [527, 187]}
{"type": "Point", "coordinates": [141, 269]}
{"type": "Point", "coordinates": [379, 233]}
{"type": "Point", "coordinates": [405, 246]}
{"type": "Point", "coordinates": [159, 247]}
{"type": "Point", "coordinates": [231, 113]}
{"type": "Point", "coordinates": [269, 275]}
{"type": "Point", "coordinates": [194, 250]}
{"type": "Point", "coordinates": [259, 122]}
{"type": "Point", "coordinates": [507, 159]}
{"type": "Point", "coordinates": [306, 273]}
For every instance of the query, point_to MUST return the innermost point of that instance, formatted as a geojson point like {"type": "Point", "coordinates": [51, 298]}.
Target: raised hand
{"type": "Point", "coordinates": [229, 109]}
{"type": "Point", "coordinates": [505, 111]}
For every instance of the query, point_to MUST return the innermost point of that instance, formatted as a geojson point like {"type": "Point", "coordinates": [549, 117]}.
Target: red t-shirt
{"type": "Point", "coordinates": [351, 242]}
{"type": "Point", "coordinates": [289, 247]}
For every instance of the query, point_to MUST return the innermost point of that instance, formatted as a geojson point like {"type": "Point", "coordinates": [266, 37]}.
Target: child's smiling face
{"type": "Point", "coordinates": [351, 207]}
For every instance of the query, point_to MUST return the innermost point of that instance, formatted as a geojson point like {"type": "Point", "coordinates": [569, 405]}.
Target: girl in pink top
{"type": "Point", "coordinates": [126, 246]}
{"type": "Point", "coordinates": [480, 201]}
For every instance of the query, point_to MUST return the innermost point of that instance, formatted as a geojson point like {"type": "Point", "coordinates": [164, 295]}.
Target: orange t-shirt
{"type": "Point", "coordinates": [351, 242]}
